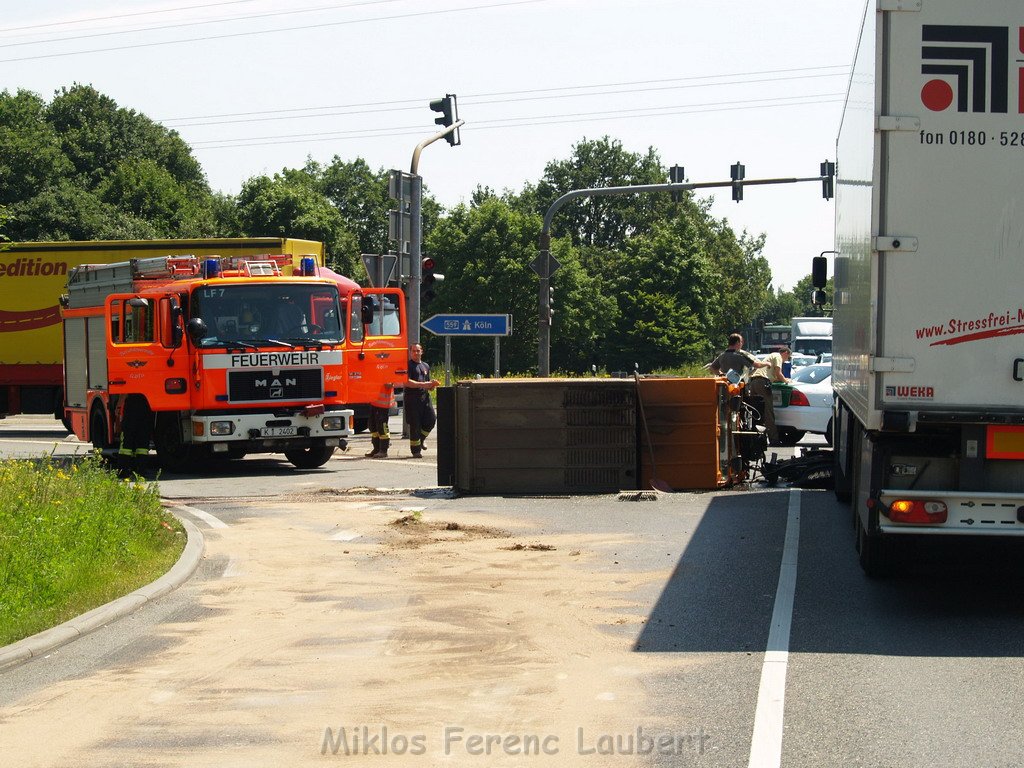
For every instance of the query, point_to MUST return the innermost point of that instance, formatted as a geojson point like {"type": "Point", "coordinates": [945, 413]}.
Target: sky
{"type": "Point", "coordinates": [255, 86]}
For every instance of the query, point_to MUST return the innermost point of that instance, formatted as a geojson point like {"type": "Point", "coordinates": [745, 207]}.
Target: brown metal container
{"type": "Point", "coordinates": [529, 436]}
{"type": "Point", "coordinates": [688, 424]}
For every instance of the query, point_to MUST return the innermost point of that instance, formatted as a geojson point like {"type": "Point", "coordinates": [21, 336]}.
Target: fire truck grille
{"type": "Point", "coordinates": [269, 387]}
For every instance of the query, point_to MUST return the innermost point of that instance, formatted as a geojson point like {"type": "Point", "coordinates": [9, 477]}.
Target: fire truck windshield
{"type": "Point", "coordinates": [274, 313]}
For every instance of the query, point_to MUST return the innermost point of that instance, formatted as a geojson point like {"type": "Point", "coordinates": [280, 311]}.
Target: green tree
{"type": "Point", "coordinates": [288, 206]}
{"type": "Point", "coordinates": [66, 211]}
{"type": "Point", "coordinates": [779, 308]}
{"type": "Point", "coordinates": [360, 197]}
{"type": "Point", "coordinates": [142, 188]}
{"type": "Point", "coordinates": [742, 282]}
{"type": "Point", "coordinates": [603, 221]}
{"type": "Point", "coordinates": [487, 250]}
{"type": "Point", "coordinates": [97, 136]}
{"type": "Point", "coordinates": [801, 298]}
{"type": "Point", "coordinates": [679, 278]}
{"type": "Point", "coordinates": [663, 287]}
{"type": "Point", "coordinates": [224, 210]}
{"type": "Point", "coordinates": [81, 167]}
{"type": "Point", "coordinates": [30, 149]}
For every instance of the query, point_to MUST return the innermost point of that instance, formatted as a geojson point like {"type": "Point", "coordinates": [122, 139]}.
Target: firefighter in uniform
{"type": "Point", "coordinates": [136, 433]}
{"type": "Point", "coordinates": [418, 408]}
{"type": "Point", "coordinates": [380, 410]}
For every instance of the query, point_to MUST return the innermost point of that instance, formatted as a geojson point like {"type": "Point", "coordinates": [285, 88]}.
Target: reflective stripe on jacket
{"type": "Point", "coordinates": [385, 398]}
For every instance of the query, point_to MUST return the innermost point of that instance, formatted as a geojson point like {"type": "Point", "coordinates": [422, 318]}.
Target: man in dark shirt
{"type": "Point", "coordinates": [419, 411]}
{"type": "Point", "coordinates": [735, 358]}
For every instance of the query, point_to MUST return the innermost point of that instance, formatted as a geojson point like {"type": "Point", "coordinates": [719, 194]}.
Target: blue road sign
{"type": "Point", "coordinates": [468, 325]}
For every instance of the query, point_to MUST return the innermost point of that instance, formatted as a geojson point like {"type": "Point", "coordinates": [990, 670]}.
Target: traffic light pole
{"type": "Point", "coordinates": [415, 260]}
{"type": "Point", "coordinates": [544, 261]}
{"type": "Point", "coordinates": [416, 234]}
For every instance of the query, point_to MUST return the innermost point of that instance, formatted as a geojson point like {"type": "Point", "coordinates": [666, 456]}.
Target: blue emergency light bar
{"type": "Point", "coordinates": [211, 268]}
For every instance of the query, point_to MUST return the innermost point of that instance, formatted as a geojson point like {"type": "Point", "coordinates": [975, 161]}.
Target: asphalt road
{"type": "Point", "coordinates": [680, 598]}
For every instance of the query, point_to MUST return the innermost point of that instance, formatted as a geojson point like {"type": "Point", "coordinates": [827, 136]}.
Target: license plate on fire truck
{"type": "Point", "coordinates": [278, 432]}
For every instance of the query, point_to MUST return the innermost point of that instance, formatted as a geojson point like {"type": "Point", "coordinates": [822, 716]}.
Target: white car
{"type": "Point", "coordinates": [802, 361]}
{"type": "Point", "coordinates": [810, 406]}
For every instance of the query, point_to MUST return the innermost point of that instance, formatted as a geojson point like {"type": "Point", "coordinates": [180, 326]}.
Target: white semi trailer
{"type": "Point", "coordinates": [928, 343]}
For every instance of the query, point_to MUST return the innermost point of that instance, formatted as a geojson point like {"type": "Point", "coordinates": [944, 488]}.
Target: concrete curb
{"type": "Point", "coordinates": [47, 640]}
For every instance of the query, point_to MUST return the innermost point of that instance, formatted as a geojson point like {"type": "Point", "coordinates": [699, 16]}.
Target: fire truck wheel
{"type": "Point", "coordinates": [98, 429]}
{"type": "Point", "coordinates": [174, 455]}
{"type": "Point", "coordinates": [310, 458]}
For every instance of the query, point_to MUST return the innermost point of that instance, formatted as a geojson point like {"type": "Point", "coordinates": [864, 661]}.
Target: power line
{"type": "Point", "coordinates": [418, 103]}
{"type": "Point", "coordinates": [505, 123]}
{"type": "Point", "coordinates": [226, 36]}
{"type": "Point", "coordinates": [4, 30]}
{"type": "Point", "coordinates": [204, 22]}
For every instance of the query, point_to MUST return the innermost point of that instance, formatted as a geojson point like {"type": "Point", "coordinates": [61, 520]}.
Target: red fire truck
{"type": "Point", "coordinates": [228, 355]}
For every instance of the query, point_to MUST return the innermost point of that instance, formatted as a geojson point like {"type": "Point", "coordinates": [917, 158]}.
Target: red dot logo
{"type": "Point", "coordinates": [937, 95]}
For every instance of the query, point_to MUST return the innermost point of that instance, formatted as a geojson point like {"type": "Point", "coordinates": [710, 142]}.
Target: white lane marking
{"type": "Point", "coordinates": [232, 569]}
{"type": "Point", "coordinates": [58, 442]}
{"type": "Point", "coordinates": [766, 743]}
{"type": "Point", "coordinates": [206, 517]}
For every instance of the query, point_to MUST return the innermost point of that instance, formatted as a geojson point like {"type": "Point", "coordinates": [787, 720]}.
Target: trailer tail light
{"type": "Point", "coordinates": [1004, 442]}
{"type": "Point", "coordinates": [175, 386]}
{"type": "Point", "coordinates": [921, 511]}
{"type": "Point", "coordinates": [796, 397]}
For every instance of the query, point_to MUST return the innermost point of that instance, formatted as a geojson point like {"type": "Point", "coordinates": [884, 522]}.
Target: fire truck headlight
{"type": "Point", "coordinates": [332, 423]}
{"type": "Point", "coordinates": [221, 428]}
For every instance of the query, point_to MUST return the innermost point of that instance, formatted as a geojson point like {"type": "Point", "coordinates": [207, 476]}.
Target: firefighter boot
{"type": "Point", "coordinates": [375, 441]}
{"type": "Point", "coordinates": [382, 452]}
{"type": "Point", "coordinates": [122, 463]}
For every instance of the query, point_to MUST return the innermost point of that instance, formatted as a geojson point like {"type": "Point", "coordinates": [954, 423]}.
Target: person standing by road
{"type": "Point", "coordinates": [136, 434]}
{"type": "Point", "coordinates": [760, 385]}
{"type": "Point", "coordinates": [380, 411]}
{"type": "Point", "coordinates": [418, 408]}
{"type": "Point", "coordinates": [735, 358]}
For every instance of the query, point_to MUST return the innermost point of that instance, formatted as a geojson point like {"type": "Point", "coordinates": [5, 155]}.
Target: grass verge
{"type": "Point", "coordinates": [73, 537]}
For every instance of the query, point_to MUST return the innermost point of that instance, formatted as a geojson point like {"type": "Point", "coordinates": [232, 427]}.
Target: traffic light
{"type": "Point", "coordinates": [738, 171]}
{"type": "Point", "coordinates": [677, 175]}
{"type": "Point", "coordinates": [429, 279]}
{"type": "Point", "coordinates": [551, 304]}
{"type": "Point", "coordinates": [449, 116]}
{"type": "Point", "coordinates": [828, 175]}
